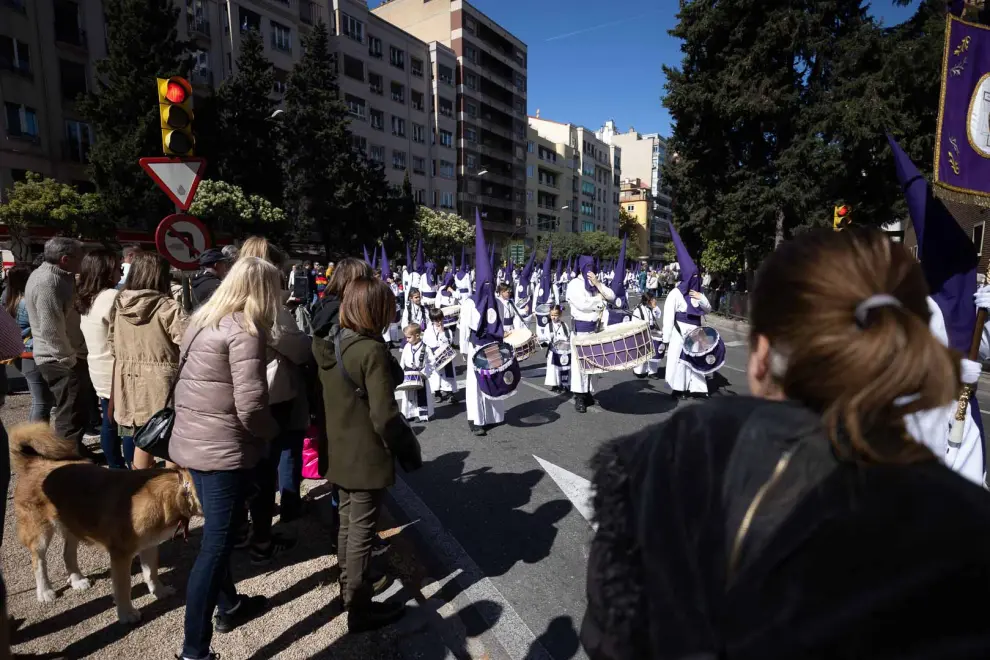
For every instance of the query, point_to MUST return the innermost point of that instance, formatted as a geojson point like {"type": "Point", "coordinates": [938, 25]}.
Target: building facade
{"type": "Point", "coordinates": [490, 106]}
{"type": "Point", "coordinates": [636, 199]}
{"type": "Point", "coordinates": [551, 187]}
{"type": "Point", "coordinates": [597, 168]}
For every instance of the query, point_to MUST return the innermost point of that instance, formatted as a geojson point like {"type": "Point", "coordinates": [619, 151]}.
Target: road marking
{"type": "Point", "coordinates": [504, 622]}
{"type": "Point", "coordinates": [734, 344]}
{"type": "Point", "coordinates": [577, 489]}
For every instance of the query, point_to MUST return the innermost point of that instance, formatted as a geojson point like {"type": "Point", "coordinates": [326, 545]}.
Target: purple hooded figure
{"type": "Point", "coordinates": [463, 267]}
{"type": "Point", "coordinates": [367, 259]}
{"type": "Point", "coordinates": [619, 309]}
{"type": "Point", "coordinates": [544, 296]}
{"type": "Point", "coordinates": [374, 259]}
{"type": "Point", "coordinates": [586, 265]}
{"type": "Point", "coordinates": [509, 268]}
{"type": "Point", "coordinates": [522, 290]}
{"type": "Point", "coordinates": [409, 263]}
{"type": "Point", "coordinates": [420, 266]}
{"type": "Point", "coordinates": [448, 278]}
{"type": "Point", "coordinates": [386, 271]}
{"type": "Point", "coordinates": [690, 277]}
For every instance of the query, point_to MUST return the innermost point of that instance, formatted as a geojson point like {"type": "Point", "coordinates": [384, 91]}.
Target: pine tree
{"type": "Point", "coordinates": [142, 44]}
{"type": "Point", "coordinates": [242, 149]}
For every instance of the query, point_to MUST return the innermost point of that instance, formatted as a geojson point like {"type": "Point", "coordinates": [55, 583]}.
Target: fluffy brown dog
{"type": "Point", "coordinates": [128, 512]}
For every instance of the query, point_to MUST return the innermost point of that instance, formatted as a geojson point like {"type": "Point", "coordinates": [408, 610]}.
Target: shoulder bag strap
{"type": "Point", "coordinates": [338, 353]}
{"type": "Point", "coordinates": [178, 372]}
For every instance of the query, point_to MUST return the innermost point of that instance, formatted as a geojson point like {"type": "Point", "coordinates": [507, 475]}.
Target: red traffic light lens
{"type": "Point", "coordinates": [176, 92]}
{"type": "Point", "coordinates": [843, 211]}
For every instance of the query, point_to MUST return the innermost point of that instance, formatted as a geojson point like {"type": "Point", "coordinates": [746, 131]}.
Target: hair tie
{"type": "Point", "coordinates": [873, 302]}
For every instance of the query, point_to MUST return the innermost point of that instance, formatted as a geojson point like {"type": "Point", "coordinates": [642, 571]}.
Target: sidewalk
{"type": "Point", "coordinates": [305, 619]}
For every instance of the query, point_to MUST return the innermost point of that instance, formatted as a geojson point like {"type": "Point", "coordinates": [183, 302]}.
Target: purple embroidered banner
{"type": "Point", "coordinates": [962, 145]}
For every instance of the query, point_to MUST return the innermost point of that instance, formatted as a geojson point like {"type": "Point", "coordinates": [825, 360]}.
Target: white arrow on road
{"type": "Point", "coordinates": [577, 489]}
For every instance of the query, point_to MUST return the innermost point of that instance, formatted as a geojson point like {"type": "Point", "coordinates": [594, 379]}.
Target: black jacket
{"type": "Point", "coordinates": [325, 316]}
{"type": "Point", "coordinates": [202, 287]}
{"type": "Point", "coordinates": [840, 560]}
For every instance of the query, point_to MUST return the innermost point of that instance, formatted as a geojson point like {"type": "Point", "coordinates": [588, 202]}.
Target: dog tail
{"type": "Point", "coordinates": [38, 440]}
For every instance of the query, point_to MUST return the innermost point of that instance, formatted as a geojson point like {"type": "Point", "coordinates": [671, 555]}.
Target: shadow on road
{"type": "Point", "coordinates": [639, 396]}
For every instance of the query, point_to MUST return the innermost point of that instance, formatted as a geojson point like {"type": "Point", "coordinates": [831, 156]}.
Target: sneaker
{"type": "Point", "coordinates": [379, 547]}
{"type": "Point", "coordinates": [211, 656]}
{"type": "Point", "coordinates": [248, 608]}
{"type": "Point", "coordinates": [263, 555]}
{"type": "Point", "coordinates": [373, 616]}
{"type": "Point", "coordinates": [381, 585]}
{"type": "Point", "coordinates": [580, 405]}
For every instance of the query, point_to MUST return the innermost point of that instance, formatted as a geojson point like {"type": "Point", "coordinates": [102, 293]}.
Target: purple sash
{"type": "Point", "coordinates": [585, 326]}
{"type": "Point", "coordinates": [684, 317]}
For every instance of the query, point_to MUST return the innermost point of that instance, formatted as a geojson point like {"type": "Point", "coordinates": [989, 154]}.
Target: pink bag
{"type": "Point", "coordinates": [310, 455]}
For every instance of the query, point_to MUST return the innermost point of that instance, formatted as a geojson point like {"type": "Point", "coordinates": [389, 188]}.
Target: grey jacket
{"type": "Point", "coordinates": [222, 417]}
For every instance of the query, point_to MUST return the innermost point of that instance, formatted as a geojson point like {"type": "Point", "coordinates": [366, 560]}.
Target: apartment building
{"type": "Point", "coordinates": [643, 158]}
{"type": "Point", "coordinates": [490, 106]}
{"type": "Point", "coordinates": [597, 168]}
{"type": "Point", "coordinates": [551, 187]}
{"type": "Point", "coordinates": [45, 53]}
{"type": "Point", "coordinates": [636, 198]}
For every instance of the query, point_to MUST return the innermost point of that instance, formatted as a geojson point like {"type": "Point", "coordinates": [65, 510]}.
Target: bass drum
{"type": "Point", "coordinates": [497, 371]}
{"type": "Point", "coordinates": [703, 351]}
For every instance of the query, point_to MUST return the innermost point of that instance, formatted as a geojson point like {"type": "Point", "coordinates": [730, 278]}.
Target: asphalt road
{"type": "Point", "coordinates": [495, 512]}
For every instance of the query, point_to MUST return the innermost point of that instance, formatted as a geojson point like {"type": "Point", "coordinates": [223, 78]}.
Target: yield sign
{"type": "Point", "coordinates": [178, 177]}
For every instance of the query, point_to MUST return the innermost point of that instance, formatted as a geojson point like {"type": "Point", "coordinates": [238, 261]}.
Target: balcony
{"type": "Point", "coordinates": [22, 69]}
{"type": "Point", "coordinates": [198, 26]}
{"type": "Point", "coordinates": [496, 177]}
{"type": "Point", "coordinates": [201, 76]}
{"type": "Point", "coordinates": [73, 37]}
{"type": "Point", "coordinates": [497, 129]}
{"type": "Point", "coordinates": [309, 12]}
{"type": "Point", "coordinates": [74, 151]}
{"type": "Point", "coordinates": [489, 149]}
{"type": "Point", "coordinates": [547, 184]}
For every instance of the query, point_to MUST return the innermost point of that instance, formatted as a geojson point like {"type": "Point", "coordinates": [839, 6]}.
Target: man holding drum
{"type": "Point", "coordinates": [587, 299]}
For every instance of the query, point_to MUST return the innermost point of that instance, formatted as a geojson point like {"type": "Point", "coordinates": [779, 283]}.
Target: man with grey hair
{"type": "Point", "coordinates": [128, 255]}
{"type": "Point", "coordinates": [59, 346]}
{"type": "Point", "coordinates": [231, 252]}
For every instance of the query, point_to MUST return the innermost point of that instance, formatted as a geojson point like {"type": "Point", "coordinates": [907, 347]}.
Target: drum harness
{"type": "Point", "coordinates": [553, 333]}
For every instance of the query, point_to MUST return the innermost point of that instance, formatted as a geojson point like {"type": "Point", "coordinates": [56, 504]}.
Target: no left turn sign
{"type": "Point", "coordinates": [181, 239]}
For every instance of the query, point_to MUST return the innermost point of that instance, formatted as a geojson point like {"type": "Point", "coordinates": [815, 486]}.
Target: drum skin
{"type": "Point", "coordinates": [616, 348]}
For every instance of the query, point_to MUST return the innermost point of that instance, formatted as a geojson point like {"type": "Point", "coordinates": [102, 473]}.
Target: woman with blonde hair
{"type": "Point", "coordinates": [803, 522]}
{"type": "Point", "coordinates": [145, 327]}
{"type": "Point", "coordinates": [223, 424]}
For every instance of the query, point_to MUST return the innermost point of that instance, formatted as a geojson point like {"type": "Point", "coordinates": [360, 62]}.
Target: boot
{"type": "Point", "coordinates": [372, 616]}
{"type": "Point", "coordinates": [579, 404]}
{"type": "Point", "coordinates": [477, 430]}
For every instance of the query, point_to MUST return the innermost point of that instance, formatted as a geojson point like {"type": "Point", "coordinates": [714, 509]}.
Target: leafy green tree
{"type": "Point", "coordinates": [142, 44]}
{"type": "Point", "coordinates": [443, 233]}
{"type": "Point", "coordinates": [225, 207]}
{"type": "Point", "coordinates": [242, 149]}
{"type": "Point", "coordinates": [718, 257]}
{"type": "Point", "coordinates": [42, 202]}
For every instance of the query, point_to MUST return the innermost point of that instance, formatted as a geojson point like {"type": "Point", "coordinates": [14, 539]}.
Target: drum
{"type": "Point", "coordinates": [451, 315]}
{"type": "Point", "coordinates": [413, 380]}
{"type": "Point", "coordinates": [443, 355]}
{"type": "Point", "coordinates": [543, 315]}
{"type": "Point", "coordinates": [658, 345]}
{"type": "Point", "coordinates": [703, 351]}
{"type": "Point", "coordinates": [616, 348]}
{"type": "Point", "coordinates": [560, 354]}
{"type": "Point", "coordinates": [523, 343]}
{"type": "Point", "coordinates": [497, 371]}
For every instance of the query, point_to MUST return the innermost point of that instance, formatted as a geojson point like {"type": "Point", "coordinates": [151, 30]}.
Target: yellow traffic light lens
{"type": "Point", "coordinates": [176, 117]}
{"type": "Point", "coordinates": [178, 142]}
{"type": "Point", "coordinates": [176, 92]}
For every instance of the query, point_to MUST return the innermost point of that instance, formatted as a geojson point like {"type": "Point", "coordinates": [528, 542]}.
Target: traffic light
{"type": "Point", "coordinates": [175, 101]}
{"type": "Point", "coordinates": [841, 217]}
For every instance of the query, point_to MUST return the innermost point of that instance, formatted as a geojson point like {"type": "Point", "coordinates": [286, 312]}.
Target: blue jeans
{"type": "Point", "coordinates": [110, 441]}
{"type": "Point", "coordinates": [222, 495]}
{"type": "Point", "coordinates": [42, 399]}
{"type": "Point", "coordinates": [290, 444]}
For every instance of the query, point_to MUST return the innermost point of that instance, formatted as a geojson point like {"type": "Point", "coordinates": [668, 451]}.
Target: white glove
{"type": "Point", "coordinates": [982, 297]}
{"type": "Point", "coordinates": [969, 371]}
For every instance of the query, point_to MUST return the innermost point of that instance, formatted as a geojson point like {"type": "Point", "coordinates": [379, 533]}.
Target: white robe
{"type": "Point", "coordinates": [406, 280]}
{"type": "Point", "coordinates": [392, 332]}
{"type": "Point", "coordinates": [441, 380]}
{"type": "Point", "coordinates": [463, 282]}
{"type": "Point", "coordinates": [585, 306]}
{"type": "Point", "coordinates": [557, 376]}
{"type": "Point", "coordinates": [680, 377]}
{"type": "Point", "coordinates": [932, 428]}
{"type": "Point", "coordinates": [413, 315]}
{"type": "Point", "coordinates": [651, 316]}
{"type": "Point", "coordinates": [507, 309]}
{"type": "Point", "coordinates": [416, 404]}
{"type": "Point", "coordinates": [481, 410]}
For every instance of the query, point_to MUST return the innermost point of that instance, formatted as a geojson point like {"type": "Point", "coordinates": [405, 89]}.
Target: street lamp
{"type": "Point", "coordinates": [482, 173]}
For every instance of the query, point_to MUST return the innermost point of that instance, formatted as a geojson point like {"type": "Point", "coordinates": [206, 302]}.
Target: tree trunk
{"type": "Point", "coordinates": [778, 237]}
{"type": "Point", "coordinates": [19, 245]}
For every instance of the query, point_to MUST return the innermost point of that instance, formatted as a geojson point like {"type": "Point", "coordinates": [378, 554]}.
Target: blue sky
{"type": "Point", "coordinates": [587, 65]}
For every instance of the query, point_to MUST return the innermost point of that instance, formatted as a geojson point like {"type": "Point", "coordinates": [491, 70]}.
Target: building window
{"type": "Point", "coordinates": [446, 169]}
{"type": "Point", "coordinates": [359, 143]}
{"type": "Point", "coordinates": [419, 165]}
{"type": "Point", "coordinates": [418, 133]}
{"type": "Point", "coordinates": [22, 121]}
{"type": "Point", "coordinates": [588, 209]}
{"type": "Point", "coordinates": [445, 74]}
{"type": "Point", "coordinates": [352, 27]}
{"type": "Point", "coordinates": [630, 207]}
{"type": "Point", "coordinates": [73, 79]}
{"type": "Point", "coordinates": [78, 137]}
{"type": "Point", "coordinates": [446, 138]}
{"type": "Point", "coordinates": [376, 83]}
{"type": "Point", "coordinates": [397, 57]}
{"type": "Point", "coordinates": [279, 86]}
{"type": "Point", "coordinates": [375, 47]}
{"type": "Point", "coordinates": [281, 37]}
{"type": "Point", "coordinates": [417, 100]}
{"type": "Point", "coordinates": [520, 82]}
{"type": "Point", "coordinates": [377, 153]}
{"type": "Point", "coordinates": [355, 106]}
{"type": "Point", "coordinates": [548, 179]}
{"type": "Point", "coordinates": [446, 107]}
{"type": "Point", "coordinates": [471, 53]}
{"type": "Point", "coordinates": [978, 238]}
{"type": "Point", "coordinates": [472, 162]}
{"type": "Point", "coordinates": [529, 171]}
{"type": "Point", "coordinates": [529, 147]}
{"type": "Point", "coordinates": [377, 120]}
{"type": "Point", "coordinates": [398, 126]}
{"type": "Point", "coordinates": [353, 68]}
{"type": "Point", "coordinates": [547, 155]}
{"type": "Point", "coordinates": [587, 226]}
{"type": "Point", "coordinates": [471, 81]}
{"type": "Point", "coordinates": [472, 109]}
{"type": "Point", "coordinates": [15, 55]}
{"type": "Point", "coordinates": [447, 200]}
{"type": "Point", "coordinates": [529, 195]}
{"type": "Point", "coordinates": [67, 23]}
{"type": "Point", "coordinates": [398, 159]}
{"type": "Point", "coordinates": [470, 134]}
{"type": "Point", "coordinates": [588, 169]}
{"type": "Point", "coordinates": [416, 67]}
{"type": "Point", "coordinates": [419, 195]}
{"type": "Point", "coordinates": [398, 93]}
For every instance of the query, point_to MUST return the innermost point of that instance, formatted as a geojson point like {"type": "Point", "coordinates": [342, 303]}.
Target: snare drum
{"type": "Point", "coordinates": [616, 348]}
{"type": "Point", "coordinates": [658, 346]}
{"type": "Point", "coordinates": [560, 354]}
{"type": "Point", "coordinates": [523, 343]}
{"type": "Point", "coordinates": [704, 350]}
{"type": "Point", "coordinates": [443, 356]}
{"type": "Point", "coordinates": [413, 380]}
{"type": "Point", "coordinates": [451, 315]}
{"type": "Point", "coordinates": [543, 315]}
{"type": "Point", "coordinates": [497, 371]}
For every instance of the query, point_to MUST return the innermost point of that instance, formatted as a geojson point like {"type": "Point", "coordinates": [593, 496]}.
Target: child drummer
{"type": "Point", "coordinates": [414, 312]}
{"type": "Point", "coordinates": [415, 404]}
{"type": "Point", "coordinates": [511, 318]}
{"type": "Point", "coordinates": [558, 376]}
{"type": "Point", "coordinates": [443, 382]}
{"type": "Point", "coordinates": [649, 312]}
